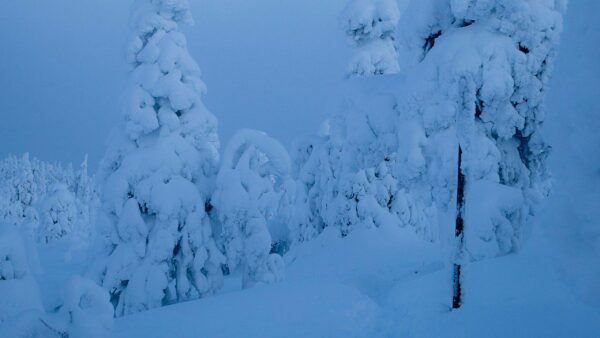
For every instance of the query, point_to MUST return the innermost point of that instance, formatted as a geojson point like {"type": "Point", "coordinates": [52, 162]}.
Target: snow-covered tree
{"type": "Point", "coordinates": [370, 26]}
{"type": "Point", "coordinates": [158, 245]}
{"type": "Point", "coordinates": [481, 86]}
{"type": "Point", "coordinates": [250, 185]}
{"type": "Point", "coordinates": [475, 75]}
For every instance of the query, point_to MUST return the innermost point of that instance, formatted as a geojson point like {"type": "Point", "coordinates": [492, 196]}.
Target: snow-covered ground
{"type": "Point", "coordinates": [384, 284]}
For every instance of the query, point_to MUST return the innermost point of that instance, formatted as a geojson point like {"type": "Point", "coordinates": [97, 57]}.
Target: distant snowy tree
{"type": "Point", "coordinates": [26, 194]}
{"type": "Point", "coordinates": [58, 214]}
{"type": "Point", "coordinates": [158, 245]}
{"type": "Point", "coordinates": [84, 188]}
{"type": "Point", "coordinates": [44, 199]}
{"type": "Point", "coordinates": [87, 201]}
{"type": "Point", "coordinates": [370, 26]}
{"type": "Point", "coordinates": [20, 193]}
{"type": "Point", "coordinates": [249, 189]}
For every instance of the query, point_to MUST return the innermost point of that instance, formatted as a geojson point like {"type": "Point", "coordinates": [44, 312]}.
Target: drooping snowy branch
{"type": "Point", "coordinates": [248, 195]}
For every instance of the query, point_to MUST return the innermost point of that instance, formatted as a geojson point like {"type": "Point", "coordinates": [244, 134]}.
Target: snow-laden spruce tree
{"type": "Point", "coordinates": [20, 192]}
{"type": "Point", "coordinates": [481, 83]}
{"type": "Point", "coordinates": [158, 245]}
{"type": "Point", "coordinates": [249, 189]}
{"type": "Point", "coordinates": [370, 27]}
{"type": "Point", "coordinates": [475, 76]}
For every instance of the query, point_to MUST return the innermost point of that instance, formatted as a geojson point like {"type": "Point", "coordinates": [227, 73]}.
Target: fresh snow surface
{"type": "Point", "coordinates": [383, 284]}
{"type": "Point", "coordinates": [334, 288]}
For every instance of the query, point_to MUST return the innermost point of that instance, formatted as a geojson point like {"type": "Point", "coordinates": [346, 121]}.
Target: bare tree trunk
{"type": "Point", "coordinates": [458, 232]}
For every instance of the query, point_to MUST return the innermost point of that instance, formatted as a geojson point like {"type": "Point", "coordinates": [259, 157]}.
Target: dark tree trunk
{"type": "Point", "coordinates": [458, 232]}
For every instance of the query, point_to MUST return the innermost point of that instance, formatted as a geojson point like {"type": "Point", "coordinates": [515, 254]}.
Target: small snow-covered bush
{"type": "Point", "coordinates": [248, 194]}
{"type": "Point", "coordinates": [86, 310]}
{"type": "Point", "coordinates": [19, 292]}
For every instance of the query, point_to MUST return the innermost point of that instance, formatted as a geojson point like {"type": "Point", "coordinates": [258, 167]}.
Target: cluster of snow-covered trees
{"type": "Point", "coordinates": [47, 200]}
{"type": "Point", "coordinates": [173, 223]}
{"type": "Point", "coordinates": [176, 218]}
{"type": "Point", "coordinates": [475, 75]}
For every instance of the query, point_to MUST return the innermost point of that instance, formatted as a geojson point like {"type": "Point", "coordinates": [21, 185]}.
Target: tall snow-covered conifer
{"type": "Point", "coordinates": [158, 173]}
{"type": "Point", "coordinates": [480, 84]}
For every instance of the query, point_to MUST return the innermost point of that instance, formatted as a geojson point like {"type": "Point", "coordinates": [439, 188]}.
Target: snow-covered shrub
{"type": "Point", "coordinates": [475, 75]}
{"type": "Point", "coordinates": [247, 197]}
{"type": "Point", "coordinates": [370, 26]}
{"type": "Point", "coordinates": [157, 245]}
{"type": "Point", "coordinates": [21, 310]}
{"type": "Point", "coordinates": [19, 291]}
{"type": "Point", "coordinates": [86, 310]}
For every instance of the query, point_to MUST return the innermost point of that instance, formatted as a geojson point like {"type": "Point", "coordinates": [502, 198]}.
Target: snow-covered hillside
{"type": "Point", "coordinates": [352, 232]}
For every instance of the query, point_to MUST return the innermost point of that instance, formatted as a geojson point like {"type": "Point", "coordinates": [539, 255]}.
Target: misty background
{"type": "Point", "coordinates": [64, 70]}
